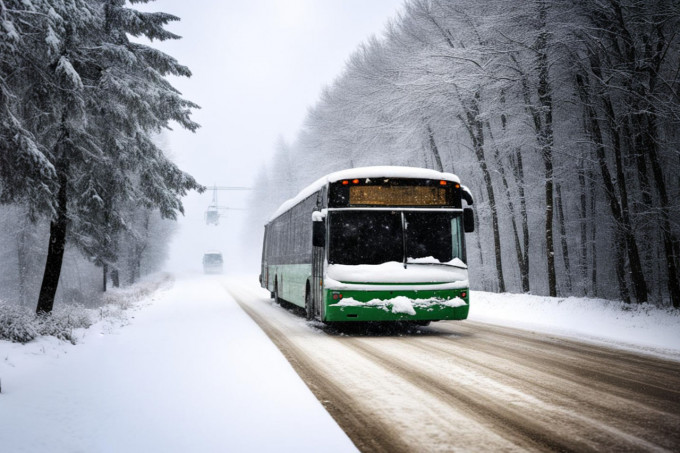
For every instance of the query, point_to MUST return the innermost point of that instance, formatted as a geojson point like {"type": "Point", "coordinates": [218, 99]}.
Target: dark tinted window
{"type": "Point", "coordinates": [365, 237]}
{"type": "Point", "coordinates": [433, 234]}
{"type": "Point", "coordinates": [289, 236]}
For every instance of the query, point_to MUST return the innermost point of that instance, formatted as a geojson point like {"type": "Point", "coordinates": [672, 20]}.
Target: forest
{"type": "Point", "coordinates": [561, 117]}
{"type": "Point", "coordinates": [87, 191]}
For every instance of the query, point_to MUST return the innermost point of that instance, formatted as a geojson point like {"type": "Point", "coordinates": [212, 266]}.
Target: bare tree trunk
{"type": "Point", "coordinates": [518, 173]}
{"type": "Point", "coordinates": [549, 240]}
{"type": "Point", "coordinates": [545, 140]}
{"type": "Point", "coordinates": [583, 213]}
{"type": "Point", "coordinates": [22, 264]}
{"type": "Point", "coordinates": [475, 129]}
{"type": "Point", "coordinates": [625, 223]}
{"type": "Point", "coordinates": [518, 168]}
{"type": "Point", "coordinates": [131, 270]}
{"type": "Point", "coordinates": [641, 166]}
{"type": "Point", "coordinates": [57, 244]}
{"type": "Point", "coordinates": [542, 117]}
{"type": "Point", "coordinates": [115, 278]}
{"type": "Point", "coordinates": [105, 270]}
{"type": "Point", "coordinates": [523, 272]}
{"type": "Point", "coordinates": [545, 135]}
{"type": "Point", "coordinates": [494, 222]}
{"type": "Point", "coordinates": [669, 240]}
{"type": "Point", "coordinates": [655, 51]}
{"type": "Point", "coordinates": [563, 238]}
{"type": "Point", "coordinates": [593, 235]}
{"type": "Point", "coordinates": [478, 240]}
{"type": "Point", "coordinates": [610, 190]}
{"type": "Point", "coordinates": [649, 142]}
{"type": "Point", "coordinates": [640, 65]}
{"type": "Point", "coordinates": [637, 275]}
{"type": "Point", "coordinates": [434, 150]}
{"type": "Point", "coordinates": [620, 264]}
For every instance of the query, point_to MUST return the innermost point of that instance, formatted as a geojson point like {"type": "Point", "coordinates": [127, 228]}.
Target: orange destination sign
{"type": "Point", "coordinates": [397, 196]}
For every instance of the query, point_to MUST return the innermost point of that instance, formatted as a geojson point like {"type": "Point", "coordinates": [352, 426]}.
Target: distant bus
{"type": "Point", "coordinates": [372, 244]}
{"type": "Point", "coordinates": [212, 263]}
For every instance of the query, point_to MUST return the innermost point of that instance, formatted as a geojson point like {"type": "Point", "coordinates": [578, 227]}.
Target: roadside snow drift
{"type": "Point", "coordinates": [639, 327]}
{"type": "Point", "coordinates": [190, 373]}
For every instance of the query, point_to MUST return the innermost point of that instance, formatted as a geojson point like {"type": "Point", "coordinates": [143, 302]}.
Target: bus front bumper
{"type": "Point", "coordinates": [396, 305]}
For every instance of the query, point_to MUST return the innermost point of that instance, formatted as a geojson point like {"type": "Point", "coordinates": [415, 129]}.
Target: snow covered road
{"type": "Point", "coordinates": [190, 373]}
{"type": "Point", "coordinates": [471, 386]}
{"type": "Point", "coordinates": [194, 371]}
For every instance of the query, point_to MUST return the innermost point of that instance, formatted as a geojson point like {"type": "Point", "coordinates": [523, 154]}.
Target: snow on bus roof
{"type": "Point", "coordinates": [364, 172]}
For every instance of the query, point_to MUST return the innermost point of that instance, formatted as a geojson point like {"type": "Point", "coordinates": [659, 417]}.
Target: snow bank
{"type": "Point", "coordinates": [21, 325]}
{"type": "Point", "coordinates": [642, 327]}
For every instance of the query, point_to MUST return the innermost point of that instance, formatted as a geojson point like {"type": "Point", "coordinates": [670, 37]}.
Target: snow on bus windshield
{"type": "Point", "coordinates": [376, 237]}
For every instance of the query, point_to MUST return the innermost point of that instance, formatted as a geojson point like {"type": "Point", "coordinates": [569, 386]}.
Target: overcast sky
{"type": "Point", "coordinates": [257, 65]}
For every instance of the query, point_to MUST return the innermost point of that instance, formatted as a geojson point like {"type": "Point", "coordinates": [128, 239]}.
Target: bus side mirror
{"type": "Point", "coordinates": [468, 220]}
{"type": "Point", "coordinates": [319, 233]}
{"type": "Point", "coordinates": [318, 229]}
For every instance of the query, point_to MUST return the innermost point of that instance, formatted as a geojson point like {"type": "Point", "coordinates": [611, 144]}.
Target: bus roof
{"type": "Point", "coordinates": [365, 172]}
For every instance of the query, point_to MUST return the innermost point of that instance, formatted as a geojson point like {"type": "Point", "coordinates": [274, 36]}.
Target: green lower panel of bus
{"type": "Point", "coordinates": [407, 305]}
{"type": "Point", "coordinates": [290, 280]}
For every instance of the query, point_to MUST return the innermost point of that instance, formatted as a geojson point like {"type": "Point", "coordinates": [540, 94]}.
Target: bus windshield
{"type": "Point", "coordinates": [376, 237]}
{"type": "Point", "coordinates": [365, 237]}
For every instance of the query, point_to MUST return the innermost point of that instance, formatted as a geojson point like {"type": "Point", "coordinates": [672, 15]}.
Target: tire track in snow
{"type": "Point", "coordinates": [655, 377]}
{"type": "Point", "coordinates": [511, 412]}
{"type": "Point", "coordinates": [523, 429]}
{"type": "Point", "coordinates": [335, 397]}
{"type": "Point", "coordinates": [394, 414]}
{"type": "Point", "coordinates": [549, 382]}
{"type": "Point", "coordinates": [498, 388]}
{"type": "Point", "coordinates": [639, 385]}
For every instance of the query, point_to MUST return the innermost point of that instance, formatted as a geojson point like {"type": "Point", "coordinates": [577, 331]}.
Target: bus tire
{"type": "Point", "coordinates": [309, 304]}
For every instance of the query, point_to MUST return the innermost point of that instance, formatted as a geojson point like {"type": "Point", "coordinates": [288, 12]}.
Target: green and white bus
{"type": "Point", "coordinates": [372, 244]}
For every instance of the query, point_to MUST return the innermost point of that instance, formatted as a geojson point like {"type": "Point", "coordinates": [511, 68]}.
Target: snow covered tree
{"type": "Point", "coordinates": [26, 173]}
{"type": "Point", "coordinates": [565, 114]}
{"type": "Point", "coordinates": [626, 72]}
{"type": "Point", "coordinates": [89, 101]}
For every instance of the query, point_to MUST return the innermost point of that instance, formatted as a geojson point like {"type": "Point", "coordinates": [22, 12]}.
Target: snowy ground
{"type": "Point", "coordinates": [190, 372]}
{"type": "Point", "coordinates": [641, 328]}
{"type": "Point", "coordinates": [187, 370]}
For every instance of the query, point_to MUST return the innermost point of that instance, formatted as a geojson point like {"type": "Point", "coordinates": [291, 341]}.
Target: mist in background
{"type": "Point", "coordinates": [257, 68]}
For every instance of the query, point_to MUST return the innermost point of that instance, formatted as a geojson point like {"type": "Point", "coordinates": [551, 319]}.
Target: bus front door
{"type": "Point", "coordinates": [317, 281]}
